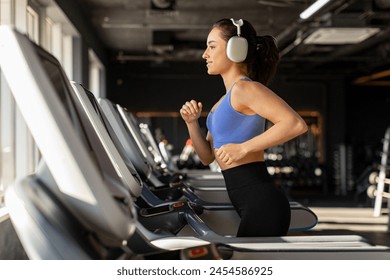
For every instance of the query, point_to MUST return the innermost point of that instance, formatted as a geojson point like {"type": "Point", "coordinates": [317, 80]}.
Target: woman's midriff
{"type": "Point", "coordinates": [253, 157]}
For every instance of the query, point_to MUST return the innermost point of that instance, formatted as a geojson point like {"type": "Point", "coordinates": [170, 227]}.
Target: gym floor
{"type": "Point", "coordinates": [339, 215]}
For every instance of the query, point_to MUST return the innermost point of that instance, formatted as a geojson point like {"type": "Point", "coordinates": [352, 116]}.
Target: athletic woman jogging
{"type": "Point", "coordinates": [236, 136]}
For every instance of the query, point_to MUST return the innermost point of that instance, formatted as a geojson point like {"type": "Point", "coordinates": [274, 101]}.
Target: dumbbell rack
{"type": "Point", "coordinates": [382, 179]}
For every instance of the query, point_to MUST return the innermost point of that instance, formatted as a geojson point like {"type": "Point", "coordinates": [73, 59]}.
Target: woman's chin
{"type": "Point", "coordinates": [210, 72]}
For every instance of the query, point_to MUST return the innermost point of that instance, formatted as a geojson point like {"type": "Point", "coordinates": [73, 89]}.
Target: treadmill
{"type": "Point", "coordinates": [225, 221]}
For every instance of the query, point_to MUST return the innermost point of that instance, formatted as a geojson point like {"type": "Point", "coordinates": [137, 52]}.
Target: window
{"type": "Point", "coordinates": [96, 75]}
{"type": "Point", "coordinates": [48, 34]}
{"type": "Point", "coordinates": [45, 24]}
{"type": "Point", "coordinates": [32, 24]}
{"type": "Point", "coordinates": [7, 113]}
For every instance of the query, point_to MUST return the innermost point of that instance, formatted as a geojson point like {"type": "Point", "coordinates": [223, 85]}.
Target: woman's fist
{"type": "Point", "coordinates": [191, 110]}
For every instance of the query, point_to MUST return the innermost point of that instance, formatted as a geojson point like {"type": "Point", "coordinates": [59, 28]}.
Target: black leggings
{"type": "Point", "coordinates": [264, 210]}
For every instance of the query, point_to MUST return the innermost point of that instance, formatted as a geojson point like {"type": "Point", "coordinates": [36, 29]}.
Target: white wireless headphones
{"type": "Point", "coordinates": [237, 46]}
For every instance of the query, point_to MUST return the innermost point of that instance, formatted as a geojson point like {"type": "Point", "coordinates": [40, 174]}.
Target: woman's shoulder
{"type": "Point", "coordinates": [246, 87]}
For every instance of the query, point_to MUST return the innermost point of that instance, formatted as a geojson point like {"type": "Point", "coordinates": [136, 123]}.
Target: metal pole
{"type": "Point", "coordinates": [382, 174]}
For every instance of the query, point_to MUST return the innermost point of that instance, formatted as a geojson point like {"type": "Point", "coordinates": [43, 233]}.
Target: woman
{"type": "Point", "coordinates": [236, 138]}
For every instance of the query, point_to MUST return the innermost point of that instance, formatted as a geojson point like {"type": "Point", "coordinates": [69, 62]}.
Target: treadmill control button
{"type": "Point", "coordinates": [178, 204]}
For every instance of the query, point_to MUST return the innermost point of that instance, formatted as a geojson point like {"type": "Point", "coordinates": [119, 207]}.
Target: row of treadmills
{"type": "Point", "coordinates": [98, 193]}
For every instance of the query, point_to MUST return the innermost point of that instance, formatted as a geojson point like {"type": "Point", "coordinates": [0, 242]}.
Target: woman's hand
{"type": "Point", "coordinates": [230, 153]}
{"type": "Point", "coordinates": [191, 111]}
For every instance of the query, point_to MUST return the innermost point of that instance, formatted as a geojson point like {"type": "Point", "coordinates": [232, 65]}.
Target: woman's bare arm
{"type": "Point", "coordinates": [190, 113]}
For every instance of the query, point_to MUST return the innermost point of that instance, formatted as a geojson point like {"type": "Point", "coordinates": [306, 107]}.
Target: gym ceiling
{"type": "Point", "coordinates": [346, 36]}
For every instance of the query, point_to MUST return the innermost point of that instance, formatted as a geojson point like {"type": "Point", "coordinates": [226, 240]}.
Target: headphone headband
{"type": "Point", "coordinates": [238, 24]}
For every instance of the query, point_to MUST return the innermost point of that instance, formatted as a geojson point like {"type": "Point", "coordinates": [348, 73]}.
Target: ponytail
{"type": "Point", "coordinates": [263, 64]}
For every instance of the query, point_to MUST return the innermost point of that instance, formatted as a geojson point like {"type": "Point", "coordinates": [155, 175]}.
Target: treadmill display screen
{"type": "Point", "coordinates": [58, 78]}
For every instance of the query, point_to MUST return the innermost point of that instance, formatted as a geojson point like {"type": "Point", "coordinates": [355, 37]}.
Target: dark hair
{"type": "Point", "coordinates": [263, 54]}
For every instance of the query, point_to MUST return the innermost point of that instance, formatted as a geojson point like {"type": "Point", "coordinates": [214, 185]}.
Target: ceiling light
{"type": "Point", "coordinates": [163, 4]}
{"type": "Point", "coordinates": [340, 35]}
{"type": "Point", "coordinates": [313, 9]}
{"type": "Point", "coordinates": [275, 3]}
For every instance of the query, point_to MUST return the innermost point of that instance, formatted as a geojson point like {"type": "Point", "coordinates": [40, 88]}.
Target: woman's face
{"type": "Point", "coordinates": [215, 53]}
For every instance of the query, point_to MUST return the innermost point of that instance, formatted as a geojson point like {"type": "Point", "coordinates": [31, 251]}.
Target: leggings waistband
{"type": "Point", "coordinates": [242, 174]}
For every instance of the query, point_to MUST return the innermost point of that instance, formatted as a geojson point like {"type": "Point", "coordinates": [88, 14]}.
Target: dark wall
{"type": "Point", "coordinates": [368, 117]}
{"type": "Point", "coordinates": [155, 87]}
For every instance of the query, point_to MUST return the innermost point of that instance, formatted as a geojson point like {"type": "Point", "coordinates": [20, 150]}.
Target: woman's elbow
{"type": "Point", "coordinates": [207, 161]}
{"type": "Point", "coordinates": [300, 127]}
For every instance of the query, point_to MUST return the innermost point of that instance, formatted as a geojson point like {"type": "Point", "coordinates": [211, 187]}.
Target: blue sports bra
{"type": "Point", "coordinates": [226, 125]}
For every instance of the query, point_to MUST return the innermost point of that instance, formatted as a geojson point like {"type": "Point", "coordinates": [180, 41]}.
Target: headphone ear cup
{"type": "Point", "coordinates": [237, 49]}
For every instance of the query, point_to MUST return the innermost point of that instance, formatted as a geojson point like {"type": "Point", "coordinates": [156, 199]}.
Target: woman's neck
{"type": "Point", "coordinates": [230, 81]}
{"type": "Point", "coordinates": [231, 77]}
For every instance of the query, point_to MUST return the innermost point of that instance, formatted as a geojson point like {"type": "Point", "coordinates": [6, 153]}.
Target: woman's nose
{"type": "Point", "coordinates": [204, 55]}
